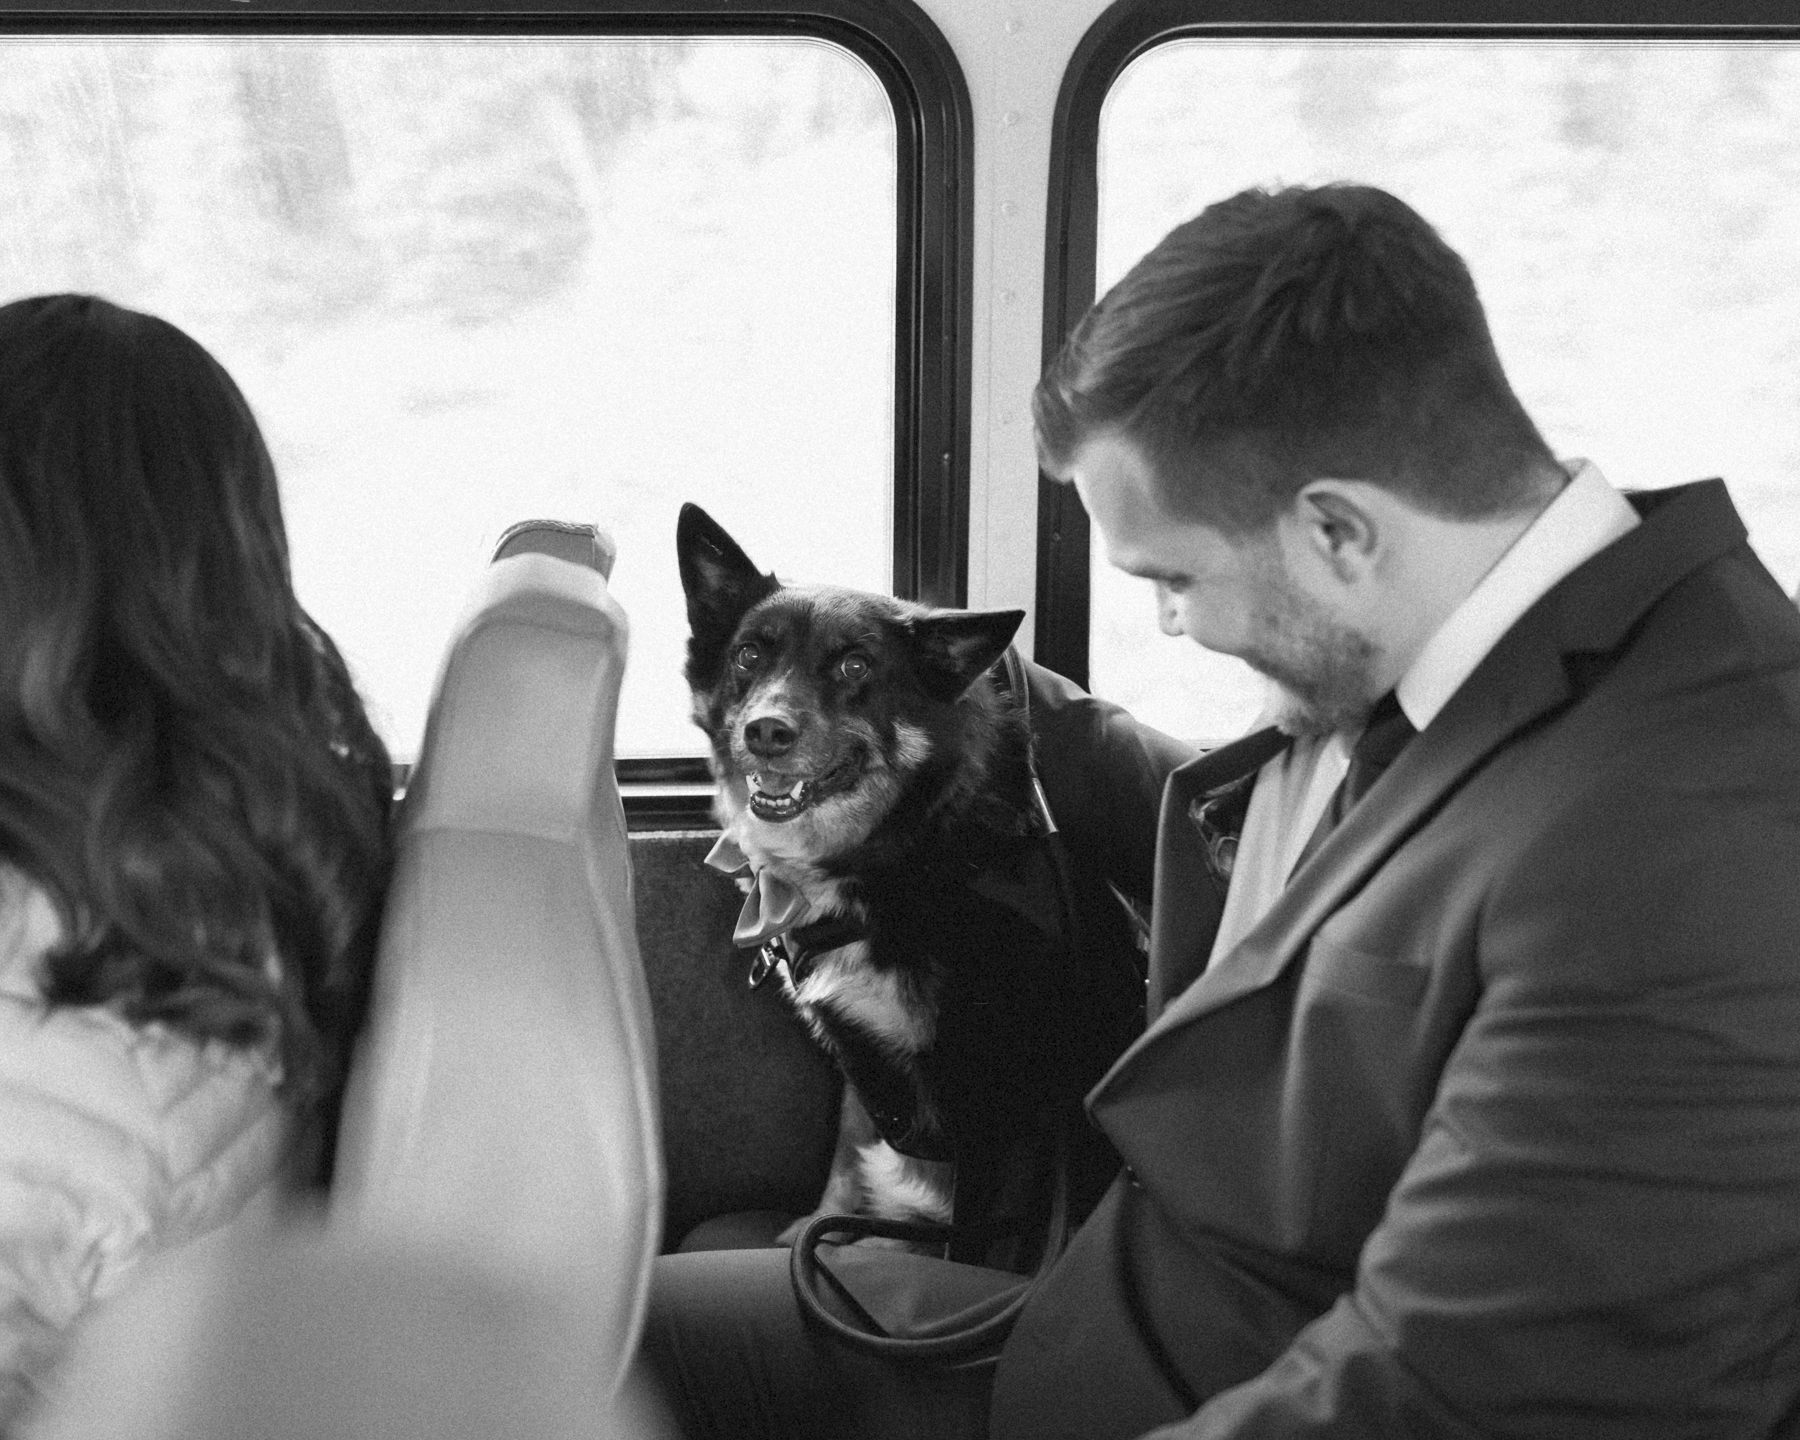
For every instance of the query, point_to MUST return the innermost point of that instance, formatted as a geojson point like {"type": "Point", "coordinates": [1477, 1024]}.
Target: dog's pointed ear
{"type": "Point", "coordinates": [954, 647]}
{"type": "Point", "coordinates": [717, 577]}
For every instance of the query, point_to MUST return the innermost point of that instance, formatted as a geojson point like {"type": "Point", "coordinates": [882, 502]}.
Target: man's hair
{"type": "Point", "coordinates": [1282, 336]}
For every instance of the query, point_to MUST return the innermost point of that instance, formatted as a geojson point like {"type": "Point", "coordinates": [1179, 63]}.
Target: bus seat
{"type": "Point", "coordinates": [502, 1105]}
{"type": "Point", "coordinates": [749, 1101]}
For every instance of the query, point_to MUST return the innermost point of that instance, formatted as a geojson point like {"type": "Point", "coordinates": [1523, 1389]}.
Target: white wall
{"type": "Point", "coordinates": [1013, 54]}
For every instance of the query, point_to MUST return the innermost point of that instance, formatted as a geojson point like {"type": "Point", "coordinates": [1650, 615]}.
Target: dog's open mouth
{"type": "Point", "coordinates": [778, 797]}
{"type": "Point", "coordinates": [782, 797]}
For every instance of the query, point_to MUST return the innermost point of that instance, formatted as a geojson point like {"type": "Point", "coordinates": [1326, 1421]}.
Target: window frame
{"type": "Point", "coordinates": [934, 285]}
{"type": "Point", "coordinates": [1130, 28]}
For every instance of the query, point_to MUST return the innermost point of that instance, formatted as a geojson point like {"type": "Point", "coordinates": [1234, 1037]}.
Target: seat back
{"type": "Point", "coordinates": [503, 1103]}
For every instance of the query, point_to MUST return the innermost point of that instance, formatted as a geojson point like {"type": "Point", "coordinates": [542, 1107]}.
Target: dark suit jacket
{"type": "Point", "coordinates": [1492, 1126]}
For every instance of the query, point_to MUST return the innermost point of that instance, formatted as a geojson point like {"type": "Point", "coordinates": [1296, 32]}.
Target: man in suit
{"type": "Point", "coordinates": [1471, 1104]}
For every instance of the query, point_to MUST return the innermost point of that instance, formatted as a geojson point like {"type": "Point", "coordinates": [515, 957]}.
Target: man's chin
{"type": "Point", "coordinates": [1321, 668]}
{"type": "Point", "coordinates": [1301, 714]}
{"type": "Point", "coordinates": [1296, 719]}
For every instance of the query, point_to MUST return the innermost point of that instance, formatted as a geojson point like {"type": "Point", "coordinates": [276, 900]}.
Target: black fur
{"type": "Point", "coordinates": [720, 584]}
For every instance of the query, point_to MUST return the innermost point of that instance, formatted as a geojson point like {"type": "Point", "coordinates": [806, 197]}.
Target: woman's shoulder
{"type": "Point", "coordinates": [142, 1135]}
{"type": "Point", "coordinates": [116, 1142]}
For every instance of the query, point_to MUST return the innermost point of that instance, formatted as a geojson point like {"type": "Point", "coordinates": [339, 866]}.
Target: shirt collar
{"type": "Point", "coordinates": [1578, 524]}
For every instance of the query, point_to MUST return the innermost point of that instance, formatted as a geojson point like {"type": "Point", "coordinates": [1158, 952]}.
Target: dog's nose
{"type": "Point", "coordinates": [768, 736]}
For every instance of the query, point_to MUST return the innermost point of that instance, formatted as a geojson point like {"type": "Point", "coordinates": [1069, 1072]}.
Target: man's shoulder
{"type": "Point", "coordinates": [1659, 814]}
{"type": "Point", "coordinates": [1666, 780]}
{"type": "Point", "coordinates": [1675, 630]}
{"type": "Point", "coordinates": [1710, 675]}
{"type": "Point", "coordinates": [1688, 573]}
{"type": "Point", "coordinates": [1692, 722]}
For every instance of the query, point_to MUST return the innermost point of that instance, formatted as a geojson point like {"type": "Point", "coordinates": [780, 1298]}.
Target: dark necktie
{"type": "Point", "coordinates": [1383, 738]}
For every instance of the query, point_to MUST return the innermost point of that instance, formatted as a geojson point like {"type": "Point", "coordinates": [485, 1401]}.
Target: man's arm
{"type": "Point", "coordinates": [1103, 774]}
{"type": "Point", "coordinates": [1599, 1233]}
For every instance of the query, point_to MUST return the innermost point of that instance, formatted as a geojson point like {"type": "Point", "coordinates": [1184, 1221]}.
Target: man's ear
{"type": "Point", "coordinates": [1340, 525]}
{"type": "Point", "coordinates": [953, 647]}
{"type": "Point", "coordinates": [718, 578]}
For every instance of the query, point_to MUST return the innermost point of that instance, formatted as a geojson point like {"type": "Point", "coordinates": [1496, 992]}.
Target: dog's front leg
{"type": "Point", "coordinates": [843, 1186]}
{"type": "Point", "coordinates": [870, 1177]}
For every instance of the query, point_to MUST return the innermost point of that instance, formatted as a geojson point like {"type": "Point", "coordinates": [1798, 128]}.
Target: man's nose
{"type": "Point", "coordinates": [1168, 611]}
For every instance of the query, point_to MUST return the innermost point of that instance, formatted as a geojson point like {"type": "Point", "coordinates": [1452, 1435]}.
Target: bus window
{"type": "Point", "coordinates": [466, 280]}
{"type": "Point", "coordinates": [1631, 210]}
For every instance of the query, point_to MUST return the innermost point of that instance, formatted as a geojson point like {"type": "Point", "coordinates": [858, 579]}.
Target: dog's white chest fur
{"type": "Point", "coordinates": [844, 982]}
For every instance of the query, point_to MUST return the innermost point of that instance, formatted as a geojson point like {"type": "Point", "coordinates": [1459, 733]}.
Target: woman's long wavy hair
{"type": "Point", "coordinates": [185, 766]}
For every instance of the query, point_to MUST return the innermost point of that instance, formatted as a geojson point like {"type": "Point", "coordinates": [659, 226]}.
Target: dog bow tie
{"type": "Point", "coordinates": [771, 905]}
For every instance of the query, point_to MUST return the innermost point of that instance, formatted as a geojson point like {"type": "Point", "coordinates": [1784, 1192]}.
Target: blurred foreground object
{"type": "Point", "coordinates": [323, 1337]}
{"type": "Point", "coordinates": [502, 1107]}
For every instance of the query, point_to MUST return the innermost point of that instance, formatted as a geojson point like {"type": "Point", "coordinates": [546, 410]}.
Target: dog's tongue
{"type": "Point", "coordinates": [774, 784]}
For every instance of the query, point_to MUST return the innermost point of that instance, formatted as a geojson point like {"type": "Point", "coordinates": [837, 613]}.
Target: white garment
{"type": "Point", "coordinates": [1293, 789]}
{"type": "Point", "coordinates": [116, 1144]}
{"type": "Point", "coordinates": [1291, 793]}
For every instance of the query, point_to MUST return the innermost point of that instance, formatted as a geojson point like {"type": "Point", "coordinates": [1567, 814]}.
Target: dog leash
{"type": "Point", "coordinates": [766, 921]}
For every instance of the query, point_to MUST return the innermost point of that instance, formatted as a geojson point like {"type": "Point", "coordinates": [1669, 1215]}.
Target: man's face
{"type": "Point", "coordinates": [1227, 593]}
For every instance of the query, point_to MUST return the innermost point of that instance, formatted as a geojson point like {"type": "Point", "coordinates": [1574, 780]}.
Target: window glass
{"type": "Point", "coordinates": [465, 282]}
{"type": "Point", "coordinates": [1631, 213]}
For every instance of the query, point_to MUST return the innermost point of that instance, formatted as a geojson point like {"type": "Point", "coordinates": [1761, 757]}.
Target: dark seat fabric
{"type": "Point", "coordinates": [749, 1102]}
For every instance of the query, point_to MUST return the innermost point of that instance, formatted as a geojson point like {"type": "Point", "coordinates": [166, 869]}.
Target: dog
{"type": "Point", "coordinates": [875, 789]}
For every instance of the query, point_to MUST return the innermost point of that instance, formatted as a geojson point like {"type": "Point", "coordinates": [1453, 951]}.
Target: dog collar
{"type": "Point", "coordinates": [771, 906]}
{"type": "Point", "coordinates": [799, 947]}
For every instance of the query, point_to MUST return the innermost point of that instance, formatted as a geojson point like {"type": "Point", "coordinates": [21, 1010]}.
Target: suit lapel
{"type": "Point", "coordinates": [1591, 611]}
{"type": "Point", "coordinates": [1188, 897]}
{"type": "Point", "coordinates": [1427, 771]}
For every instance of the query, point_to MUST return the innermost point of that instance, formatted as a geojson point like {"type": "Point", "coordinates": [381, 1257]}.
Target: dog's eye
{"type": "Point", "coordinates": [854, 667]}
{"type": "Point", "coordinates": [746, 656]}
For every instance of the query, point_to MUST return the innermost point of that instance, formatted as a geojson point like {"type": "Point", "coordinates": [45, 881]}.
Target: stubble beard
{"type": "Point", "coordinates": [1321, 667]}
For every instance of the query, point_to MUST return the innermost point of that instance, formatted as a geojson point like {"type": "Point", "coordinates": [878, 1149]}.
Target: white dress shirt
{"type": "Point", "coordinates": [1293, 789]}
{"type": "Point", "coordinates": [1577, 525]}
